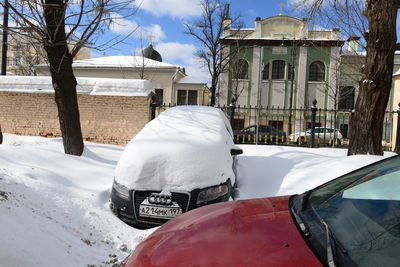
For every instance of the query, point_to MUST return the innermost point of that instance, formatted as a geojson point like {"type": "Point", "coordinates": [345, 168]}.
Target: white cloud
{"type": "Point", "coordinates": [178, 53]}
{"type": "Point", "coordinates": [123, 26]}
{"type": "Point", "coordinates": [173, 8]}
{"type": "Point", "coordinates": [155, 31]}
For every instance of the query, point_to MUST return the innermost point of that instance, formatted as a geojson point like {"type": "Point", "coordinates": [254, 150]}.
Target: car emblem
{"type": "Point", "coordinates": [155, 198]}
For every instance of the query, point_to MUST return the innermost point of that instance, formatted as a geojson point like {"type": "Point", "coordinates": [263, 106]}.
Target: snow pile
{"type": "Point", "coordinates": [54, 207]}
{"type": "Point", "coordinates": [184, 148]}
{"type": "Point", "coordinates": [117, 87]}
{"type": "Point", "coordinates": [282, 170]}
{"type": "Point", "coordinates": [92, 86]}
{"type": "Point", "coordinates": [121, 62]}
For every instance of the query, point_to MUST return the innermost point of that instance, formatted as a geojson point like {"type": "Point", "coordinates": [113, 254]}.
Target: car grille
{"type": "Point", "coordinates": [139, 196]}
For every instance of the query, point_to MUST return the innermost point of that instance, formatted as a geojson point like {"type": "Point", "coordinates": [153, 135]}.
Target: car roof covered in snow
{"type": "Point", "coordinates": [184, 148]}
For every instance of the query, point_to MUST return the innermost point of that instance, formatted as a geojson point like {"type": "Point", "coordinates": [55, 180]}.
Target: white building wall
{"type": "Point", "coordinates": [255, 77]}
{"type": "Point", "coordinates": [278, 94]}
{"type": "Point", "coordinates": [299, 99]}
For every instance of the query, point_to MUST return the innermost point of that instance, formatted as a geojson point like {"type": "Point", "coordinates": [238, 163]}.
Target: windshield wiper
{"type": "Point", "coordinates": [301, 224]}
{"type": "Point", "coordinates": [329, 240]}
{"type": "Point", "coordinates": [304, 200]}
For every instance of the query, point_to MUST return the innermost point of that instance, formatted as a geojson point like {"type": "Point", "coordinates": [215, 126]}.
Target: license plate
{"type": "Point", "coordinates": [159, 211]}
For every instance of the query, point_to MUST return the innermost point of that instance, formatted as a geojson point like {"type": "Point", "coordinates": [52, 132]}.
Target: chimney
{"type": "Point", "coordinates": [353, 43]}
{"type": "Point", "coordinates": [227, 19]}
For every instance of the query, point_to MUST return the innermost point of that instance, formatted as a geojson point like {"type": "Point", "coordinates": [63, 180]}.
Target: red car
{"type": "Point", "coordinates": [351, 221]}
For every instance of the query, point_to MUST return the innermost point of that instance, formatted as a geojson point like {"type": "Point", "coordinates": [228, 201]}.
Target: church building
{"type": "Point", "coordinates": [280, 63]}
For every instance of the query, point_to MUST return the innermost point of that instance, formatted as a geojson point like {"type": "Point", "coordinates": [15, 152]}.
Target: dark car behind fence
{"type": "Point", "coordinates": [283, 126]}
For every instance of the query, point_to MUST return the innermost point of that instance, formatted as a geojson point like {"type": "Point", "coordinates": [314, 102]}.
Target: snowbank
{"type": "Point", "coordinates": [54, 207]}
{"type": "Point", "coordinates": [54, 210]}
{"type": "Point", "coordinates": [92, 86]}
{"type": "Point", "coordinates": [184, 148]}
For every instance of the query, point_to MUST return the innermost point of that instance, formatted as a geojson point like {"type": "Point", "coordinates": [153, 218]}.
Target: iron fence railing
{"type": "Point", "coordinates": [331, 127]}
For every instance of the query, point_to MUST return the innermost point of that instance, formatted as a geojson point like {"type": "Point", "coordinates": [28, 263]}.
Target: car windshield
{"type": "Point", "coordinates": [361, 211]}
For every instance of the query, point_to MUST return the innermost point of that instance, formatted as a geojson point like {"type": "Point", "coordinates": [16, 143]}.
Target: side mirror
{"type": "Point", "coordinates": [236, 151]}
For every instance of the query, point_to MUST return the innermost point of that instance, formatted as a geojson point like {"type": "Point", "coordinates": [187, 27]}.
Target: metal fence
{"type": "Point", "coordinates": [282, 126]}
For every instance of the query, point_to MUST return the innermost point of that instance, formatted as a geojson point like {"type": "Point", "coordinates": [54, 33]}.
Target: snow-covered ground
{"type": "Point", "coordinates": [54, 207]}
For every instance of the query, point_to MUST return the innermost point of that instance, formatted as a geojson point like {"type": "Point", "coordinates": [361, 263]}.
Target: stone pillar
{"type": "Point", "coordinates": [255, 76]}
{"type": "Point", "coordinates": [299, 97]}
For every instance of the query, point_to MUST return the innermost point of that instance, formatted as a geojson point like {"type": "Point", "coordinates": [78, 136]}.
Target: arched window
{"type": "Point", "coordinates": [278, 70]}
{"type": "Point", "coordinates": [265, 73]}
{"type": "Point", "coordinates": [317, 72]}
{"type": "Point", "coordinates": [240, 69]}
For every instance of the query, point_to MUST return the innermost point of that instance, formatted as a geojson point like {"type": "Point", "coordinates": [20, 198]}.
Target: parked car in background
{"type": "Point", "coordinates": [322, 135]}
{"type": "Point", "coordinates": [183, 159]}
{"type": "Point", "coordinates": [266, 135]}
{"type": "Point", "coordinates": [353, 220]}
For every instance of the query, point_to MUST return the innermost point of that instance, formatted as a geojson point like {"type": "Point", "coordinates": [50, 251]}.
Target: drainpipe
{"type": "Point", "coordinates": [172, 86]}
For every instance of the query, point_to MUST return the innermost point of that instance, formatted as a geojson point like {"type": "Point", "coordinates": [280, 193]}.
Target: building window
{"type": "Point", "coordinates": [265, 73]}
{"type": "Point", "coordinates": [159, 97]}
{"type": "Point", "coordinates": [187, 97]}
{"type": "Point", "coordinates": [317, 72]}
{"type": "Point", "coordinates": [346, 97]}
{"type": "Point", "coordinates": [278, 70]}
{"type": "Point", "coordinates": [240, 69]}
{"type": "Point", "coordinates": [192, 97]}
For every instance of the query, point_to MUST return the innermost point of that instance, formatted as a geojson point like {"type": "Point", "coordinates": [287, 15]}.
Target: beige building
{"type": "Point", "coordinates": [24, 53]}
{"type": "Point", "coordinates": [264, 56]}
{"type": "Point", "coordinates": [170, 82]}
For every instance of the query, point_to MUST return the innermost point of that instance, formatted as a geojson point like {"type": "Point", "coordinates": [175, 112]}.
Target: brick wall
{"type": "Point", "coordinates": [104, 119]}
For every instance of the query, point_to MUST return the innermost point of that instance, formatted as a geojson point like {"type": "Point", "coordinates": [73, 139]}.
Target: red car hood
{"type": "Point", "coordinates": [257, 232]}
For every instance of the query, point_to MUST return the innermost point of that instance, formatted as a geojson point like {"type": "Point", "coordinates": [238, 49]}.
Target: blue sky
{"type": "Point", "coordinates": [163, 19]}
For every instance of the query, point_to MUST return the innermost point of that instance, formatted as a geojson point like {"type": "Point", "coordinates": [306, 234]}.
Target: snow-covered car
{"type": "Point", "coordinates": [353, 220]}
{"type": "Point", "coordinates": [183, 159]}
{"type": "Point", "coordinates": [322, 135]}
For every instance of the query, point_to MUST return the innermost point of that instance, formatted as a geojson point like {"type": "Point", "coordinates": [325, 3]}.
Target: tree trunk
{"type": "Point", "coordinates": [374, 89]}
{"type": "Point", "coordinates": [213, 88]}
{"type": "Point", "coordinates": [64, 82]}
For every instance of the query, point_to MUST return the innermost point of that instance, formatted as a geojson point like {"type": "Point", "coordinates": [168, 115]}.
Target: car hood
{"type": "Point", "coordinates": [258, 232]}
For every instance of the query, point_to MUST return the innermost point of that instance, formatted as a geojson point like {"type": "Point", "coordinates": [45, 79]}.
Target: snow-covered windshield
{"type": "Point", "coordinates": [184, 148]}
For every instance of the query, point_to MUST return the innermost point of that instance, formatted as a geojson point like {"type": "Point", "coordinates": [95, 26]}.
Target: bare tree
{"type": "Point", "coordinates": [375, 20]}
{"type": "Point", "coordinates": [207, 31]}
{"type": "Point", "coordinates": [238, 69]}
{"type": "Point", "coordinates": [63, 27]}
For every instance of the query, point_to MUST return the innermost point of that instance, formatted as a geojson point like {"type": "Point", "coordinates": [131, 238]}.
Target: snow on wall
{"type": "Point", "coordinates": [184, 148]}
{"type": "Point", "coordinates": [92, 86]}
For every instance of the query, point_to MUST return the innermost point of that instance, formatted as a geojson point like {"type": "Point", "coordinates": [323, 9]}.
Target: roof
{"type": "Point", "coordinates": [150, 52]}
{"type": "Point", "coordinates": [121, 62]}
{"type": "Point", "coordinates": [267, 41]}
{"type": "Point", "coordinates": [189, 80]}
{"type": "Point", "coordinates": [397, 73]}
{"type": "Point", "coordinates": [92, 86]}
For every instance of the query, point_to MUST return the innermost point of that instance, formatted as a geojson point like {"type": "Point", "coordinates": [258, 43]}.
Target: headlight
{"type": "Point", "coordinates": [212, 193]}
{"type": "Point", "coordinates": [121, 189]}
